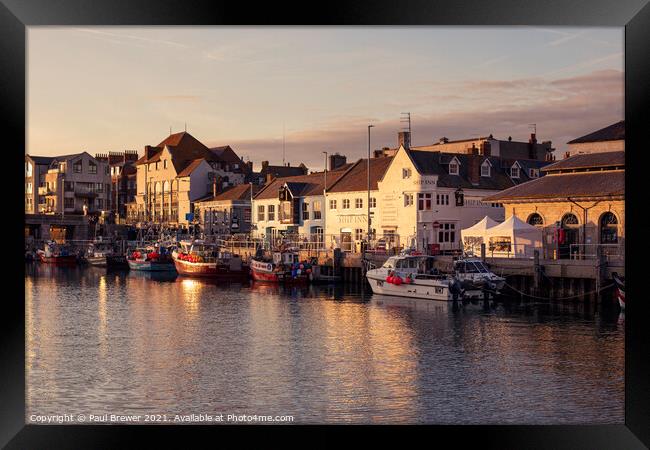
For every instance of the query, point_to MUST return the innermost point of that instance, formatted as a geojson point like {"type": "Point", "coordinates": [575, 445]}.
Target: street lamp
{"type": "Point", "coordinates": [368, 180]}
{"type": "Point", "coordinates": [460, 197]}
{"type": "Point", "coordinates": [425, 238]}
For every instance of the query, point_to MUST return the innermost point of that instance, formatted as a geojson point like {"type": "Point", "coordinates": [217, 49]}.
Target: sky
{"type": "Point", "coordinates": [315, 89]}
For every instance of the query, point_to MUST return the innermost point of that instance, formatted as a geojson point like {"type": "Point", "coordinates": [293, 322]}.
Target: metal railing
{"type": "Point", "coordinates": [610, 252]}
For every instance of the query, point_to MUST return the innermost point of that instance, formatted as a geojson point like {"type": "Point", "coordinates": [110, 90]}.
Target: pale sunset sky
{"type": "Point", "coordinates": [104, 89]}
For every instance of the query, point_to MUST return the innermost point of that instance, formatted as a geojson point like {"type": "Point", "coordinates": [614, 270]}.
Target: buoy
{"type": "Point", "coordinates": [397, 280]}
{"type": "Point", "coordinates": [388, 280]}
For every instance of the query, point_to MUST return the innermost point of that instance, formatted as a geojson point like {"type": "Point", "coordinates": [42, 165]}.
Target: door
{"type": "Point", "coordinates": [346, 241]}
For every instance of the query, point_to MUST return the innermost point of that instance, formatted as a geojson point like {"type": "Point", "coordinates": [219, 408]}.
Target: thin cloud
{"type": "Point", "coordinates": [131, 37]}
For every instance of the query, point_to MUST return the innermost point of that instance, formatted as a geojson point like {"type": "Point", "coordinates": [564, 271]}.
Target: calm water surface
{"type": "Point", "coordinates": [132, 343]}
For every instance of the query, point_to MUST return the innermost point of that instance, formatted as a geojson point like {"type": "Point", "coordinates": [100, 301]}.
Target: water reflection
{"type": "Point", "coordinates": [152, 342]}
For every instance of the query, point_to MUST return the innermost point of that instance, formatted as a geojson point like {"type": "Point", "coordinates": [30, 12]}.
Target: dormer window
{"type": "Point", "coordinates": [453, 168]}
{"type": "Point", "coordinates": [533, 173]}
{"type": "Point", "coordinates": [485, 169]}
{"type": "Point", "coordinates": [514, 170]}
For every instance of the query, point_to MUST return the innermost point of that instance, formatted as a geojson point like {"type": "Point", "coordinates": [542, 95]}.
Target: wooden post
{"type": "Point", "coordinates": [536, 271]}
{"type": "Point", "coordinates": [483, 251]}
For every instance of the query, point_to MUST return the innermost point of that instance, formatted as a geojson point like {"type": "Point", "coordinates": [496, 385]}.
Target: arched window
{"type": "Point", "coordinates": [608, 229]}
{"type": "Point", "coordinates": [535, 219]}
{"type": "Point", "coordinates": [569, 220]}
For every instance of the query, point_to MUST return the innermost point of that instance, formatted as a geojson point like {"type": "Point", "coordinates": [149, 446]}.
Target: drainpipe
{"type": "Point", "coordinates": [584, 221]}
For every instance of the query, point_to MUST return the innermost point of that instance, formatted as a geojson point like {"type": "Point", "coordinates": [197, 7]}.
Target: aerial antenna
{"type": "Point", "coordinates": [186, 127]}
{"type": "Point", "coordinates": [533, 126]}
{"type": "Point", "coordinates": [170, 130]}
{"type": "Point", "coordinates": [406, 119]}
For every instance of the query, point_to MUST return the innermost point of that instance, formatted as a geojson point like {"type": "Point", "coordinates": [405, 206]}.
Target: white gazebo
{"type": "Point", "coordinates": [474, 236]}
{"type": "Point", "coordinates": [513, 238]}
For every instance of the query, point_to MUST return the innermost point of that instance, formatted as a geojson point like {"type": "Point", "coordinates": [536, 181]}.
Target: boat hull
{"type": "Point", "coordinates": [211, 270]}
{"type": "Point", "coordinates": [620, 291]}
{"type": "Point", "coordinates": [151, 266]}
{"type": "Point", "coordinates": [69, 260]}
{"type": "Point", "coordinates": [439, 292]}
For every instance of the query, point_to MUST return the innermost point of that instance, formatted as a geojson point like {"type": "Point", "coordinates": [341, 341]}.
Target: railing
{"type": "Point", "coordinates": [610, 252]}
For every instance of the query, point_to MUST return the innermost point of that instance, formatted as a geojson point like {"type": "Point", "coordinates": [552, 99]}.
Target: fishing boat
{"type": "Point", "coordinates": [154, 258]}
{"type": "Point", "coordinates": [54, 253]}
{"type": "Point", "coordinates": [476, 279]}
{"type": "Point", "coordinates": [99, 251]}
{"type": "Point", "coordinates": [282, 267]}
{"type": "Point", "coordinates": [413, 276]}
{"type": "Point", "coordinates": [620, 289]}
{"type": "Point", "coordinates": [196, 258]}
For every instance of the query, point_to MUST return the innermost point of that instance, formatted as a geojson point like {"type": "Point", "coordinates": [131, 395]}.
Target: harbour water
{"type": "Point", "coordinates": [101, 342]}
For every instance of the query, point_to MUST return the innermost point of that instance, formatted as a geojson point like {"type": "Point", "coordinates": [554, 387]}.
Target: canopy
{"type": "Point", "coordinates": [473, 237]}
{"type": "Point", "coordinates": [513, 238]}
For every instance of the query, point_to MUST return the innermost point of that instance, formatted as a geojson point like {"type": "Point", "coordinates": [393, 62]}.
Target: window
{"type": "Point", "coordinates": [358, 234]}
{"type": "Point", "coordinates": [316, 209]}
{"type": "Point", "coordinates": [408, 199]}
{"type": "Point", "coordinates": [424, 202]}
{"type": "Point", "coordinates": [164, 164]}
{"type": "Point", "coordinates": [442, 199]}
{"type": "Point", "coordinates": [99, 187]}
{"type": "Point", "coordinates": [92, 167]}
{"type": "Point", "coordinates": [447, 232]}
{"type": "Point", "coordinates": [373, 202]}
{"type": "Point", "coordinates": [358, 203]}
{"type": "Point", "coordinates": [68, 202]}
{"type": "Point", "coordinates": [28, 188]}
{"type": "Point", "coordinates": [485, 169]}
{"type": "Point", "coordinates": [305, 211]}
{"type": "Point", "coordinates": [68, 186]}
{"type": "Point", "coordinates": [514, 172]}
{"type": "Point", "coordinates": [346, 203]}
{"type": "Point", "coordinates": [535, 219]}
{"type": "Point", "coordinates": [608, 229]}
{"type": "Point", "coordinates": [533, 173]}
{"type": "Point", "coordinates": [76, 167]}
{"type": "Point", "coordinates": [260, 213]}
{"type": "Point", "coordinates": [100, 203]}
{"type": "Point", "coordinates": [332, 204]}
{"type": "Point", "coordinates": [28, 169]}
{"type": "Point", "coordinates": [271, 212]}
{"type": "Point", "coordinates": [406, 173]}
{"type": "Point", "coordinates": [453, 168]}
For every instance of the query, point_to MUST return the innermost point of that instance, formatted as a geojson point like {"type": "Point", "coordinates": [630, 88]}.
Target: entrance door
{"type": "Point", "coordinates": [346, 241]}
{"type": "Point", "coordinates": [568, 236]}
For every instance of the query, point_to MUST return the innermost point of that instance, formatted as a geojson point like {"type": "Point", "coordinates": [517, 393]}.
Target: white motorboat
{"type": "Point", "coordinates": [413, 276]}
{"type": "Point", "coordinates": [476, 278]}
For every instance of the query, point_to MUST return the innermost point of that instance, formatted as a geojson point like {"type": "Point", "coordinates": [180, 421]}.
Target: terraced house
{"type": "Point", "coordinates": [178, 171]}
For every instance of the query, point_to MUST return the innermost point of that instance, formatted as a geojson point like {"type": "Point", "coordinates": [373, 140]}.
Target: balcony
{"type": "Point", "coordinates": [44, 190]}
{"type": "Point", "coordinates": [86, 191]}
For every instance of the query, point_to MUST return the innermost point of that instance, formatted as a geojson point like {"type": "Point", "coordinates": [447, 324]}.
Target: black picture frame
{"type": "Point", "coordinates": [634, 15]}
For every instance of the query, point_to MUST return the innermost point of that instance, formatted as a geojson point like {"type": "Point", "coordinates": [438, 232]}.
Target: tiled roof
{"type": "Point", "coordinates": [579, 184]}
{"type": "Point", "coordinates": [282, 171]}
{"type": "Point", "coordinates": [311, 184]}
{"type": "Point", "coordinates": [613, 132]}
{"type": "Point", "coordinates": [356, 176]}
{"type": "Point", "coordinates": [41, 160]}
{"type": "Point", "coordinates": [190, 167]}
{"type": "Point", "coordinates": [239, 192]}
{"type": "Point", "coordinates": [588, 160]}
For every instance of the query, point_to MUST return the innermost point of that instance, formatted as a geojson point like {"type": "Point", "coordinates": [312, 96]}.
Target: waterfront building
{"type": "Point", "coordinates": [347, 203]}
{"type": "Point", "coordinates": [75, 184]}
{"type": "Point", "coordinates": [294, 206]}
{"type": "Point", "coordinates": [484, 146]}
{"type": "Point", "coordinates": [35, 169]}
{"type": "Point", "coordinates": [426, 197]}
{"type": "Point", "coordinates": [123, 181]}
{"type": "Point", "coordinates": [580, 204]}
{"type": "Point", "coordinates": [608, 139]}
{"type": "Point", "coordinates": [178, 171]}
{"type": "Point", "coordinates": [226, 212]}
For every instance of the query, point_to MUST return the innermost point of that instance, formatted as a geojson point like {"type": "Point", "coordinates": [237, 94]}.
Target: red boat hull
{"type": "Point", "coordinates": [279, 278]}
{"type": "Point", "coordinates": [69, 260]}
{"type": "Point", "coordinates": [211, 270]}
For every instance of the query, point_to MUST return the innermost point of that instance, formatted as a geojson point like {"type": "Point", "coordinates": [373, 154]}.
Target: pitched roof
{"type": "Point", "coordinates": [437, 163]}
{"type": "Point", "coordinates": [564, 185]}
{"type": "Point", "coordinates": [302, 185]}
{"type": "Point", "coordinates": [283, 171]}
{"type": "Point", "coordinates": [190, 167]}
{"type": "Point", "coordinates": [239, 192]}
{"type": "Point", "coordinates": [588, 160]}
{"type": "Point", "coordinates": [613, 132]}
{"type": "Point", "coordinates": [355, 177]}
{"type": "Point", "coordinates": [41, 160]}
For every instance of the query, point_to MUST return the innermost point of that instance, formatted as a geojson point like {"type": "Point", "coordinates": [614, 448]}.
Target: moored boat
{"type": "Point", "coordinates": [200, 259]}
{"type": "Point", "coordinates": [151, 259]}
{"type": "Point", "coordinates": [98, 251]}
{"type": "Point", "coordinates": [620, 289]}
{"type": "Point", "coordinates": [282, 267]}
{"type": "Point", "coordinates": [54, 253]}
{"type": "Point", "coordinates": [413, 276]}
{"type": "Point", "coordinates": [476, 278]}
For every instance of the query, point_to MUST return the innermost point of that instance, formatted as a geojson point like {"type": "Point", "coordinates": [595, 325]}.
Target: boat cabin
{"type": "Point", "coordinates": [410, 264]}
{"type": "Point", "coordinates": [470, 266]}
{"type": "Point", "coordinates": [286, 258]}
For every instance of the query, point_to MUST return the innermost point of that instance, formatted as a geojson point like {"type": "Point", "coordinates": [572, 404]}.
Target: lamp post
{"type": "Point", "coordinates": [368, 180]}
{"type": "Point", "coordinates": [425, 238]}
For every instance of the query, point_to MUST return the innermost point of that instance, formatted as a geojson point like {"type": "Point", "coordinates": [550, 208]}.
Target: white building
{"type": "Point", "coordinates": [178, 171]}
{"type": "Point", "coordinates": [608, 139]}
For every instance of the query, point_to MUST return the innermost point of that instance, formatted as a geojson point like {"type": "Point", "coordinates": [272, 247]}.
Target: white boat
{"type": "Point", "coordinates": [413, 276]}
{"type": "Point", "coordinates": [476, 278]}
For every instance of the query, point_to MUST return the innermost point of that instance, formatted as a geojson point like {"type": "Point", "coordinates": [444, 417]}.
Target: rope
{"type": "Point", "coordinates": [559, 298]}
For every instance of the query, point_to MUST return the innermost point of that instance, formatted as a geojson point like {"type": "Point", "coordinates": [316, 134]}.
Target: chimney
{"type": "Point", "coordinates": [265, 165]}
{"type": "Point", "coordinates": [532, 146]}
{"type": "Point", "coordinates": [404, 139]}
{"type": "Point", "coordinates": [148, 151]}
{"type": "Point", "coordinates": [472, 150]}
{"type": "Point", "coordinates": [443, 140]}
{"type": "Point", "coordinates": [486, 148]}
{"type": "Point", "coordinates": [474, 169]}
{"type": "Point", "coordinates": [269, 177]}
{"type": "Point", "coordinates": [304, 168]}
{"type": "Point", "coordinates": [336, 161]}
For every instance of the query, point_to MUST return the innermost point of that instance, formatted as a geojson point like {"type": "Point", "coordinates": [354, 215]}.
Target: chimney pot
{"type": "Point", "coordinates": [404, 139]}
